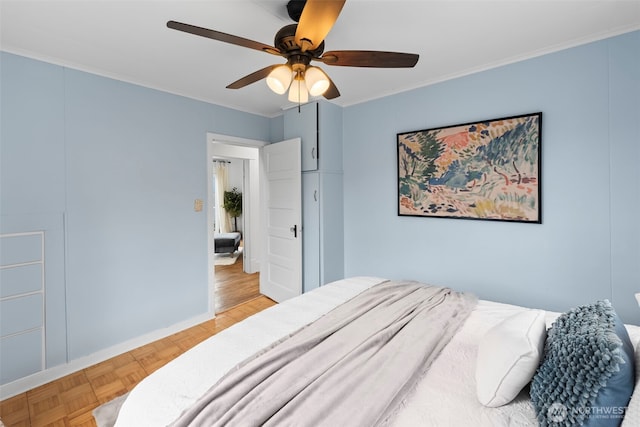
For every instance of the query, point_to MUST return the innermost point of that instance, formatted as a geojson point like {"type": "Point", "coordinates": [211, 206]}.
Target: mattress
{"type": "Point", "coordinates": [445, 396]}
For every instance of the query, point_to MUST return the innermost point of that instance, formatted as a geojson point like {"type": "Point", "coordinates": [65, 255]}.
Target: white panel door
{"type": "Point", "coordinates": [281, 273]}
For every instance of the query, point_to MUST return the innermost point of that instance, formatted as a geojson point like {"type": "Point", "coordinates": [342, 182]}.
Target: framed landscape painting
{"type": "Point", "coordinates": [483, 170]}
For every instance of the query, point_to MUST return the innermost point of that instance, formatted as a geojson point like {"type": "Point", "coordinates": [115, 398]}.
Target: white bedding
{"type": "Point", "coordinates": [446, 396]}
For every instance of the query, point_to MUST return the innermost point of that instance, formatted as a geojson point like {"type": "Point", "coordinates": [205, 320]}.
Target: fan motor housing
{"type": "Point", "coordinates": [285, 41]}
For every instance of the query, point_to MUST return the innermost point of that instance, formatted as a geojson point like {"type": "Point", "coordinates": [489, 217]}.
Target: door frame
{"type": "Point", "coordinates": [226, 146]}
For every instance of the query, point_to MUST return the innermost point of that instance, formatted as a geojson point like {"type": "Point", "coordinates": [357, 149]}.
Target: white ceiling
{"type": "Point", "coordinates": [129, 40]}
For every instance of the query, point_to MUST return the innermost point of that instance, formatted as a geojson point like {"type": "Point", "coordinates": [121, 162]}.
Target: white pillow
{"type": "Point", "coordinates": [508, 357]}
{"type": "Point", "coordinates": [632, 414]}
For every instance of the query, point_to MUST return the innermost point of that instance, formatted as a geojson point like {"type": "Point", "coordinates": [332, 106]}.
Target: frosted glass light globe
{"type": "Point", "coordinates": [316, 80]}
{"type": "Point", "coordinates": [279, 79]}
{"type": "Point", "coordinates": [298, 92]}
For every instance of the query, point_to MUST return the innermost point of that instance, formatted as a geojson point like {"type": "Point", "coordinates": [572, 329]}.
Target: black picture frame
{"type": "Point", "coordinates": [483, 170]}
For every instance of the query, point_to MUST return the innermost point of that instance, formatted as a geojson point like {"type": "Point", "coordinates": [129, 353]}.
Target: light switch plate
{"type": "Point", "coordinates": [197, 205]}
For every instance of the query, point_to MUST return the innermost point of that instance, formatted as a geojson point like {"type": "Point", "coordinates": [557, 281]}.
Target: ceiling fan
{"type": "Point", "coordinates": [300, 44]}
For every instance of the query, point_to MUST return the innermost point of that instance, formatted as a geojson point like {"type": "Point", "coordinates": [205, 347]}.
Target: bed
{"type": "Point", "coordinates": [226, 242]}
{"type": "Point", "coordinates": [448, 393]}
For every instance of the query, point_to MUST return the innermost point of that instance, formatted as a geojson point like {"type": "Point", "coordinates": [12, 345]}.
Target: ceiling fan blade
{"type": "Point", "coordinates": [223, 37]}
{"type": "Point", "coordinates": [317, 19]}
{"type": "Point", "coordinates": [332, 92]}
{"type": "Point", "coordinates": [252, 78]}
{"type": "Point", "coordinates": [369, 58]}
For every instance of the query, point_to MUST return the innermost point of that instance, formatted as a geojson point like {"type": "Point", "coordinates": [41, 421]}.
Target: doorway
{"type": "Point", "coordinates": [237, 282]}
{"type": "Point", "coordinates": [234, 284]}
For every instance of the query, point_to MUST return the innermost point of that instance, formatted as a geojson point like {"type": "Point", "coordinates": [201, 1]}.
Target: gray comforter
{"type": "Point", "coordinates": [352, 367]}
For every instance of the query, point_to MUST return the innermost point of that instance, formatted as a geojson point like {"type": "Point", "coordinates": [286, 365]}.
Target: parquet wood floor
{"type": "Point", "coordinates": [70, 400]}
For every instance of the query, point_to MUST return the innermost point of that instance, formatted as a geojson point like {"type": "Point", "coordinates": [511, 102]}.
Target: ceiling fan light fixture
{"type": "Point", "coordinates": [300, 44]}
{"type": "Point", "coordinates": [279, 79]}
{"type": "Point", "coordinates": [316, 80]}
{"type": "Point", "coordinates": [298, 91]}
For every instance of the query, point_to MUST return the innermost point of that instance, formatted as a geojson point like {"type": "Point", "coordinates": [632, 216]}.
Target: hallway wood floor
{"type": "Point", "coordinates": [70, 400]}
{"type": "Point", "coordinates": [233, 286]}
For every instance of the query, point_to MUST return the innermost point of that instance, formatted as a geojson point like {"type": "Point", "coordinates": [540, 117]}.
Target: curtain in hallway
{"type": "Point", "coordinates": [223, 222]}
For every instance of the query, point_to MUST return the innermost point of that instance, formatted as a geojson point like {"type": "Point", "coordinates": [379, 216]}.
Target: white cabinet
{"type": "Point", "coordinates": [303, 123]}
{"type": "Point", "coordinates": [310, 231]}
{"type": "Point", "coordinates": [322, 229]}
{"type": "Point", "coordinates": [322, 193]}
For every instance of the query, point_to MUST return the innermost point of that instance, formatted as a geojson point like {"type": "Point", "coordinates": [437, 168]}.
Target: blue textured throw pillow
{"type": "Point", "coordinates": [587, 373]}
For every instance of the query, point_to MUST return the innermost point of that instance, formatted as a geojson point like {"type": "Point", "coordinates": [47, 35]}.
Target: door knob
{"type": "Point", "coordinates": [294, 230]}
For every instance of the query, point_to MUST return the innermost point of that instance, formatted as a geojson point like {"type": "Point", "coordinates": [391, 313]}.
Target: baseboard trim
{"type": "Point", "coordinates": [51, 374]}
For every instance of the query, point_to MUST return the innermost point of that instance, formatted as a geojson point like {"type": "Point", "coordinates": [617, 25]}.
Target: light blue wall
{"type": "Point", "coordinates": [276, 129]}
{"type": "Point", "coordinates": [110, 171]}
{"type": "Point", "coordinates": [32, 179]}
{"type": "Point", "coordinates": [587, 246]}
